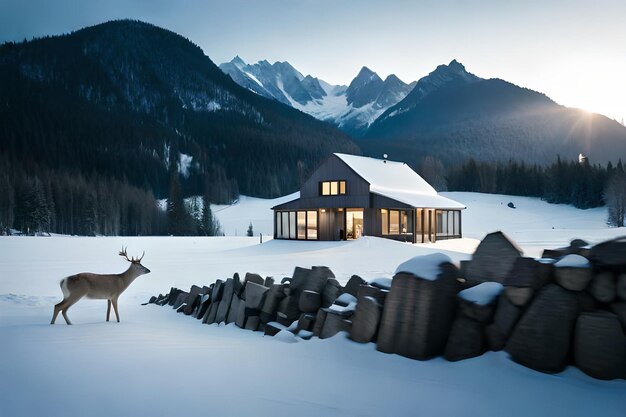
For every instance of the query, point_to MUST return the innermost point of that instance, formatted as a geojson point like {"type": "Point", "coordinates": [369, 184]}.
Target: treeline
{"type": "Point", "coordinates": [580, 184]}
{"type": "Point", "coordinates": [44, 201]}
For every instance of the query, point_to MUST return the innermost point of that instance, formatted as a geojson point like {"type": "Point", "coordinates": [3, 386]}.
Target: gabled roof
{"type": "Point", "coordinates": [396, 180]}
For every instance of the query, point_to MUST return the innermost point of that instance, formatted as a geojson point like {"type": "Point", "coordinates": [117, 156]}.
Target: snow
{"type": "Point", "coordinates": [158, 362]}
{"type": "Point", "coordinates": [398, 181]}
{"type": "Point", "coordinates": [253, 78]}
{"type": "Point", "coordinates": [383, 283]}
{"type": "Point", "coordinates": [482, 294]}
{"type": "Point", "coordinates": [427, 267]}
{"type": "Point", "coordinates": [184, 164]}
{"type": "Point", "coordinates": [573, 261]}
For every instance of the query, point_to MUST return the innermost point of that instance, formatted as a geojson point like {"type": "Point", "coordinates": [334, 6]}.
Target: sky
{"type": "Point", "coordinates": [574, 51]}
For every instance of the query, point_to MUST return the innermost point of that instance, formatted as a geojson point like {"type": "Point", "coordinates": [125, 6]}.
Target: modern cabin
{"type": "Point", "coordinates": [351, 196]}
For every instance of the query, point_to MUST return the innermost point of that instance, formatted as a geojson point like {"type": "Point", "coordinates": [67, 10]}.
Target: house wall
{"type": "Point", "coordinates": [357, 189]}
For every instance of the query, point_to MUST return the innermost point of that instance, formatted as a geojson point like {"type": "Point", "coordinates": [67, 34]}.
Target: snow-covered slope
{"type": "Point", "coordinates": [351, 108]}
{"type": "Point", "coordinates": [157, 362]}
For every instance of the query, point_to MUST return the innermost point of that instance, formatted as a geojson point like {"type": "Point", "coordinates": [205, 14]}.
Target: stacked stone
{"type": "Point", "coordinates": [420, 308]}
{"type": "Point", "coordinates": [546, 313]}
{"type": "Point", "coordinates": [475, 310]}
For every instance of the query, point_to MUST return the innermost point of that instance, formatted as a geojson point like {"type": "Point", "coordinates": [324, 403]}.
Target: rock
{"type": "Point", "coordinates": [620, 311]}
{"type": "Point", "coordinates": [173, 296]}
{"type": "Point", "coordinates": [269, 281]}
{"type": "Point", "coordinates": [611, 253]}
{"type": "Point", "coordinates": [181, 308]}
{"type": "Point", "coordinates": [205, 302]}
{"type": "Point", "coordinates": [353, 284]}
{"type": "Point", "coordinates": [288, 306]}
{"type": "Point", "coordinates": [233, 310]}
{"type": "Point", "coordinates": [541, 339]}
{"type": "Point", "coordinates": [227, 296]}
{"type": "Point", "coordinates": [256, 278]}
{"type": "Point", "coordinates": [299, 280]}
{"type": "Point", "coordinates": [193, 300]}
{"type": "Point", "coordinates": [333, 325]}
{"type": "Point", "coordinates": [306, 322]}
{"type": "Point", "coordinates": [272, 299]}
{"type": "Point", "coordinates": [466, 339]}
{"type": "Point", "coordinates": [506, 316]}
{"type": "Point", "coordinates": [494, 338]}
{"type": "Point", "coordinates": [241, 315]}
{"type": "Point", "coordinates": [480, 313]}
{"type": "Point", "coordinates": [520, 296]}
{"type": "Point", "coordinates": [602, 287]}
{"type": "Point", "coordinates": [310, 301]}
{"type": "Point", "coordinates": [272, 328]}
{"type": "Point", "coordinates": [545, 271]}
{"type": "Point", "coordinates": [578, 243]}
{"type": "Point", "coordinates": [600, 346]}
{"type": "Point", "coordinates": [365, 320]}
{"type": "Point", "coordinates": [418, 313]}
{"type": "Point", "coordinates": [621, 287]}
{"type": "Point", "coordinates": [211, 314]}
{"type": "Point", "coordinates": [494, 258]}
{"type": "Point", "coordinates": [525, 273]}
{"type": "Point", "coordinates": [152, 300]}
{"type": "Point", "coordinates": [218, 289]}
{"type": "Point", "coordinates": [283, 319]}
{"type": "Point", "coordinates": [375, 292]}
{"type": "Point", "coordinates": [255, 295]}
{"type": "Point", "coordinates": [573, 272]}
{"type": "Point", "coordinates": [331, 291]}
{"type": "Point", "coordinates": [252, 323]}
{"type": "Point", "coordinates": [319, 322]}
{"type": "Point", "coordinates": [238, 287]}
{"type": "Point", "coordinates": [180, 299]}
{"type": "Point", "coordinates": [586, 303]}
{"type": "Point", "coordinates": [317, 278]}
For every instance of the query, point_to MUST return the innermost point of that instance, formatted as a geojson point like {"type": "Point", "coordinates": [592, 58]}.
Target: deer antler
{"type": "Point", "coordinates": [142, 255]}
{"type": "Point", "coordinates": [123, 253]}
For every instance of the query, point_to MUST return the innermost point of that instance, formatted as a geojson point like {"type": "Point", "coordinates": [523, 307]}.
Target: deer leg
{"type": "Point", "coordinates": [108, 309]}
{"type": "Point", "coordinates": [67, 304]}
{"type": "Point", "coordinates": [57, 309]}
{"type": "Point", "coordinates": [114, 301]}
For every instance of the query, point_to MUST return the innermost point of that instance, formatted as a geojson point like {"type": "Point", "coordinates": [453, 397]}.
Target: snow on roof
{"type": "Point", "coordinates": [427, 267]}
{"type": "Point", "coordinates": [482, 294]}
{"type": "Point", "coordinates": [396, 180]}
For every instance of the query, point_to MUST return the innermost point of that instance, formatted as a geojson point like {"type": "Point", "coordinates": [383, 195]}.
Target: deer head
{"type": "Point", "coordinates": [135, 264]}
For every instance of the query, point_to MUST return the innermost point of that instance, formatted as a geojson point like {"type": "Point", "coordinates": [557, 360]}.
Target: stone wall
{"type": "Point", "coordinates": [565, 309]}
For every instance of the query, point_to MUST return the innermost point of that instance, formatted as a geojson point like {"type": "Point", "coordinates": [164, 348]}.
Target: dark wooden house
{"type": "Point", "coordinates": [351, 196]}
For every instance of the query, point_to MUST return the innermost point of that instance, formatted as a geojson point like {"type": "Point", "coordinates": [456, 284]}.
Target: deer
{"type": "Point", "coordinates": [98, 286]}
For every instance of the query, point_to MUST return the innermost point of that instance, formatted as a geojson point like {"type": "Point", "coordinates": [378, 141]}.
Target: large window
{"type": "Point", "coordinates": [448, 224]}
{"type": "Point", "coordinates": [296, 225]}
{"type": "Point", "coordinates": [311, 228]}
{"type": "Point", "coordinates": [385, 217]}
{"type": "Point", "coordinates": [396, 222]}
{"type": "Point", "coordinates": [332, 187]}
{"type": "Point", "coordinates": [301, 225]}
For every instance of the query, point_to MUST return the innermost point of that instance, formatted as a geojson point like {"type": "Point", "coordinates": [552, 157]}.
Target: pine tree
{"type": "Point", "coordinates": [615, 198]}
{"type": "Point", "coordinates": [250, 231]}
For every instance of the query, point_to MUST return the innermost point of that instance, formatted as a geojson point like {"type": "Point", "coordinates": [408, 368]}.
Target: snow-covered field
{"type": "Point", "coordinates": [156, 362]}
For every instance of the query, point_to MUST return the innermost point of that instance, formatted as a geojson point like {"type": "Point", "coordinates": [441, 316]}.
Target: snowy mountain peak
{"type": "Point", "coordinates": [238, 62]}
{"type": "Point", "coordinates": [352, 108]}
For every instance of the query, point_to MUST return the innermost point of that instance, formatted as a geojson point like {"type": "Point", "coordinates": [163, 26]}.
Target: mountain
{"type": "Point", "coordinates": [126, 100]}
{"type": "Point", "coordinates": [454, 115]}
{"type": "Point", "coordinates": [352, 108]}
